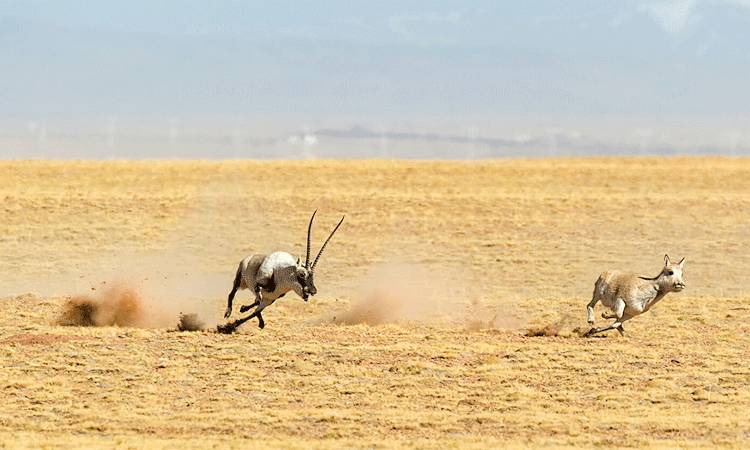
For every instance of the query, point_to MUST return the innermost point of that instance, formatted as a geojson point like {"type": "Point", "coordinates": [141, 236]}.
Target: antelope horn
{"type": "Point", "coordinates": [326, 243]}
{"type": "Point", "coordinates": [309, 229]}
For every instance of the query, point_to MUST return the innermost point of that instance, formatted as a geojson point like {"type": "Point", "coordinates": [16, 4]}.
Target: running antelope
{"type": "Point", "coordinates": [627, 295]}
{"type": "Point", "coordinates": [272, 276]}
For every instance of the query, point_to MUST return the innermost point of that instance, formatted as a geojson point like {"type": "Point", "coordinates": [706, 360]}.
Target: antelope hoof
{"type": "Point", "coordinates": [227, 313]}
{"type": "Point", "coordinates": [225, 329]}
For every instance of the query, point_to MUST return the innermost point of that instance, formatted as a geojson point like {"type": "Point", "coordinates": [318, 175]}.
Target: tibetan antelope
{"type": "Point", "coordinates": [628, 295]}
{"type": "Point", "coordinates": [272, 276]}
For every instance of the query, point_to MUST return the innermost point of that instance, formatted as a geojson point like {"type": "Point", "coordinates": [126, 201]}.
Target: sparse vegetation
{"type": "Point", "coordinates": [521, 239]}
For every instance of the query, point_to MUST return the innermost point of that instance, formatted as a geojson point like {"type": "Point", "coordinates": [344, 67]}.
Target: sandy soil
{"type": "Point", "coordinates": [417, 335]}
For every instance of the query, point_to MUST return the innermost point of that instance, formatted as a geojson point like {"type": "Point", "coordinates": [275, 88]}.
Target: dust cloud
{"type": "Point", "coordinates": [409, 292]}
{"type": "Point", "coordinates": [392, 293]}
{"type": "Point", "coordinates": [124, 305]}
{"type": "Point", "coordinates": [165, 290]}
{"type": "Point", "coordinates": [117, 305]}
{"type": "Point", "coordinates": [565, 326]}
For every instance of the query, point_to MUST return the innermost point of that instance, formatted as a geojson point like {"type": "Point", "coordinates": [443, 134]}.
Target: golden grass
{"type": "Point", "coordinates": [520, 239]}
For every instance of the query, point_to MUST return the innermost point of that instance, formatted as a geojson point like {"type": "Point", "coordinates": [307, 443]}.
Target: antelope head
{"type": "Point", "coordinates": [671, 275]}
{"type": "Point", "coordinates": [306, 273]}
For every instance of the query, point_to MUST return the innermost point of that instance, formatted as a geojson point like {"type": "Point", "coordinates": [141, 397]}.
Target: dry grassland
{"type": "Point", "coordinates": [417, 336]}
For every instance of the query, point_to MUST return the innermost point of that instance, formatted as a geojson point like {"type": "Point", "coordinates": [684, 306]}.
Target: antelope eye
{"type": "Point", "coordinates": [670, 273]}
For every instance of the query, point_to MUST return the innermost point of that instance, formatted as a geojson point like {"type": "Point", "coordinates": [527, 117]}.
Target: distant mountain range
{"type": "Point", "coordinates": [429, 79]}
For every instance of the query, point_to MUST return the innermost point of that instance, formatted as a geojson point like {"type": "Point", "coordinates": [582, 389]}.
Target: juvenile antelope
{"type": "Point", "coordinates": [272, 276]}
{"type": "Point", "coordinates": [628, 295]}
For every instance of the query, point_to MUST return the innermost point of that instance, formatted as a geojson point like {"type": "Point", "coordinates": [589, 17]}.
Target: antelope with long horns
{"type": "Point", "coordinates": [627, 295]}
{"type": "Point", "coordinates": [272, 276]}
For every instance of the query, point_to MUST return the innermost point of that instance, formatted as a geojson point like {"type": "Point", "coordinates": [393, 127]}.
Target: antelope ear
{"type": "Point", "coordinates": [666, 260]}
{"type": "Point", "coordinates": [681, 263]}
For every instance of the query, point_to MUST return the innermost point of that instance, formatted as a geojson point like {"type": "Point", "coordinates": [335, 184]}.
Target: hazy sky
{"type": "Point", "coordinates": [245, 78]}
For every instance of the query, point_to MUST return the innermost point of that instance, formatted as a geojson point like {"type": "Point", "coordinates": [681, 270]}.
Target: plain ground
{"type": "Point", "coordinates": [495, 247]}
